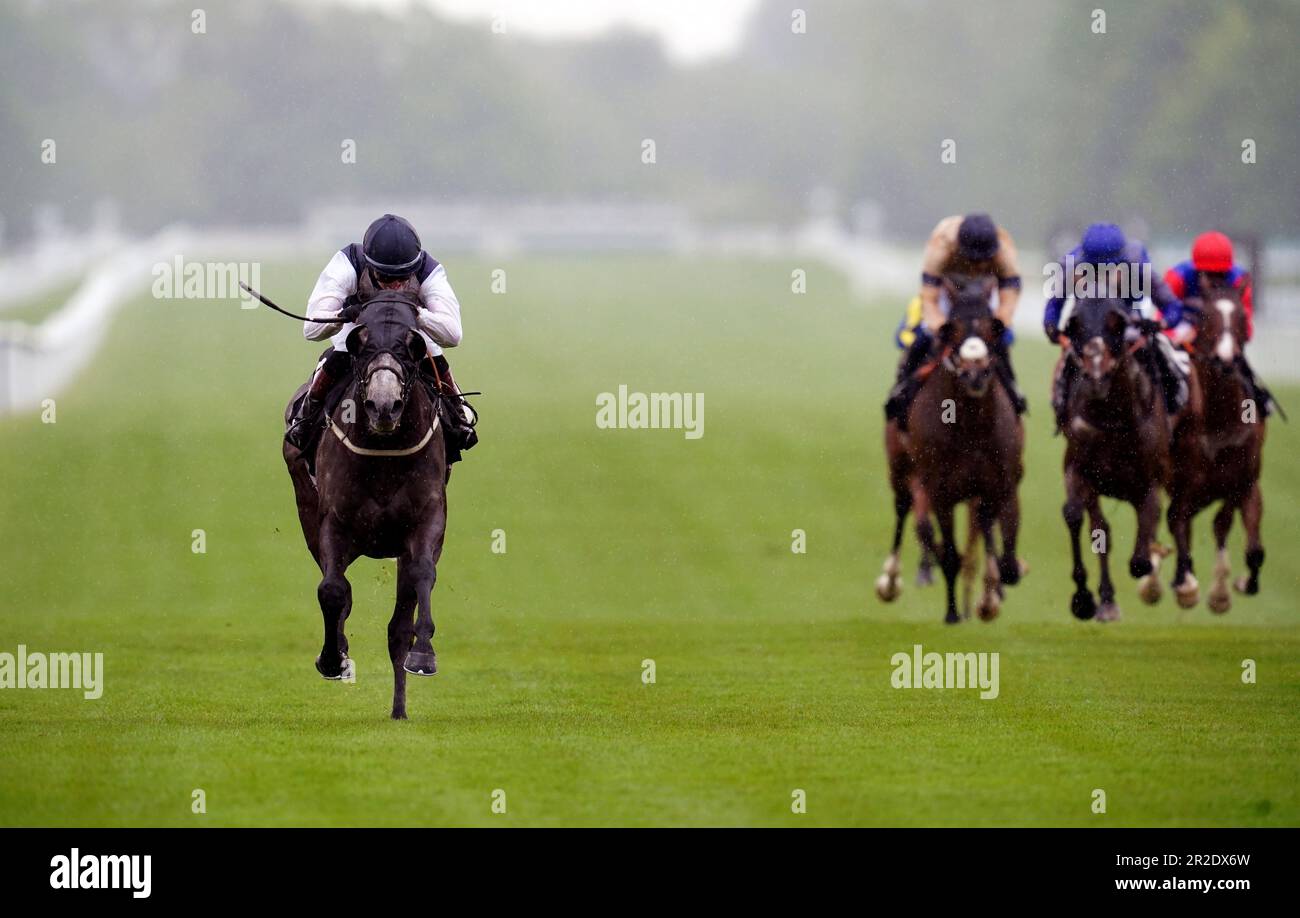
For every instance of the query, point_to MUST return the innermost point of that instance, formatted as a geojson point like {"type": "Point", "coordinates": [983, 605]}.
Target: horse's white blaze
{"type": "Point", "coordinates": [973, 350]}
{"type": "Point", "coordinates": [1227, 345]}
{"type": "Point", "coordinates": [384, 387]}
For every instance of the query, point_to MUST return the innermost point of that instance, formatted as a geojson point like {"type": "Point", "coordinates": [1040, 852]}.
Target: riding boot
{"type": "Point", "coordinates": [306, 420]}
{"type": "Point", "coordinates": [1007, 375]}
{"type": "Point", "coordinates": [1171, 382]}
{"type": "Point", "coordinates": [460, 417]}
{"type": "Point", "coordinates": [906, 384]}
{"type": "Point", "coordinates": [1258, 391]}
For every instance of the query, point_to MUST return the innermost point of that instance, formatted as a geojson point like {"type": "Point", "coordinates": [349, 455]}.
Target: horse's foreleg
{"type": "Point", "coordinates": [1252, 513]}
{"type": "Point", "coordinates": [401, 631]}
{"type": "Point", "coordinates": [1082, 605]}
{"type": "Point", "coordinates": [970, 559]}
{"type": "Point", "coordinates": [421, 659]}
{"type": "Point", "coordinates": [1186, 589]}
{"type": "Point", "coordinates": [982, 516]}
{"type": "Point", "coordinates": [1145, 563]}
{"type": "Point", "coordinates": [924, 534]}
{"type": "Point", "coordinates": [335, 596]}
{"type": "Point", "coordinates": [1010, 568]}
{"type": "Point", "coordinates": [1108, 611]}
{"type": "Point", "coordinates": [890, 582]}
{"type": "Point", "coordinates": [1220, 598]}
{"type": "Point", "coordinates": [949, 560]}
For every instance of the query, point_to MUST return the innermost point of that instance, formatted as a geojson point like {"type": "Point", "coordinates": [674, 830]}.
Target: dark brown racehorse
{"type": "Point", "coordinates": [1117, 445]}
{"type": "Point", "coordinates": [379, 490]}
{"type": "Point", "coordinates": [966, 445]}
{"type": "Point", "coordinates": [1221, 454]}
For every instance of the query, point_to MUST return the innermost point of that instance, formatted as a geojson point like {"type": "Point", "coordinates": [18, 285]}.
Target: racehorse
{"type": "Point", "coordinates": [1222, 453]}
{"type": "Point", "coordinates": [1117, 445]}
{"type": "Point", "coordinates": [379, 489]}
{"type": "Point", "coordinates": [966, 445]}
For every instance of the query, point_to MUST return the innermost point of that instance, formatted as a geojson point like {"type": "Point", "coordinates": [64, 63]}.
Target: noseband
{"type": "Point", "coordinates": [405, 375]}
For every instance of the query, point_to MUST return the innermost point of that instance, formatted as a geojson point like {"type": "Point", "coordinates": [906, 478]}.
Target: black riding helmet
{"type": "Point", "coordinates": [977, 238]}
{"type": "Point", "coordinates": [392, 247]}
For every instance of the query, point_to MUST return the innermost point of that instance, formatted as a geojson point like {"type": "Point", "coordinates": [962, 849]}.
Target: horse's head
{"type": "Point", "coordinates": [1096, 332]}
{"type": "Point", "coordinates": [971, 331]}
{"type": "Point", "coordinates": [386, 351]}
{"type": "Point", "coordinates": [1220, 321]}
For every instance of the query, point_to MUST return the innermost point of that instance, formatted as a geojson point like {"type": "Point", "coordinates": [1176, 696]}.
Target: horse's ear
{"type": "Point", "coordinates": [357, 339]}
{"type": "Point", "coordinates": [415, 345]}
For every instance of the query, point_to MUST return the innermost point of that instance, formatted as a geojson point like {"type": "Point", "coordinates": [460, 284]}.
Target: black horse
{"type": "Point", "coordinates": [1117, 445]}
{"type": "Point", "coordinates": [379, 489]}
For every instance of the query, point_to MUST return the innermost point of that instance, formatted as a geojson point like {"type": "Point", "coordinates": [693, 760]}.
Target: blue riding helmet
{"type": "Point", "coordinates": [1103, 243]}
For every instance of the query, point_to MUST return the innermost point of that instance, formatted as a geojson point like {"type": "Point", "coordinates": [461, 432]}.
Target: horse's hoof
{"type": "Point", "coordinates": [1009, 571]}
{"type": "Point", "coordinates": [888, 588]}
{"type": "Point", "coordinates": [1245, 587]}
{"type": "Point", "coordinates": [924, 577]}
{"type": "Point", "coordinates": [421, 664]}
{"type": "Point", "coordinates": [399, 715]}
{"type": "Point", "coordinates": [1140, 567]}
{"type": "Point", "coordinates": [347, 671]}
{"type": "Point", "coordinates": [1188, 593]}
{"type": "Point", "coordinates": [989, 609]}
{"type": "Point", "coordinates": [1109, 612]}
{"type": "Point", "coordinates": [952, 618]}
{"type": "Point", "coordinates": [1082, 605]}
{"type": "Point", "coordinates": [1219, 600]}
{"type": "Point", "coordinates": [1150, 590]}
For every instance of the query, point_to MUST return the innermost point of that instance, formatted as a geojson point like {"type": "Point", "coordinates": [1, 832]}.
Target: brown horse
{"type": "Point", "coordinates": [1221, 454]}
{"type": "Point", "coordinates": [379, 490]}
{"type": "Point", "coordinates": [966, 445]}
{"type": "Point", "coordinates": [1117, 445]}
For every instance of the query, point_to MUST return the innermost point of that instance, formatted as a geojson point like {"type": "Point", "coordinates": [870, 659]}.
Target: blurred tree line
{"type": "Point", "coordinates": [1052, 120]}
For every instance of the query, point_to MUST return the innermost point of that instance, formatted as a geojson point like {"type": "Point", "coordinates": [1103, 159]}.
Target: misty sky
{"type": "Point", "coordinates": [691, 30]}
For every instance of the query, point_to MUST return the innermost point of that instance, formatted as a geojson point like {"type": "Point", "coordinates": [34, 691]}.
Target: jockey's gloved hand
{"type": "Point", "coordinates": [1150, 327]}
{"type": "Point", "coordinates": [1183, 333]}
{"type": "Point", "coordinates": [351, 309]}
{"type": "Point", "coordinates": [1052, 332]}
{"type": "Point", "coordinates": [999, 328]}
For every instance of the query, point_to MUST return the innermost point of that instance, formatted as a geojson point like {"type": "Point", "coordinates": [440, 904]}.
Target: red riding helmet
{"type": "Point", "coordinates": [1212, 252]}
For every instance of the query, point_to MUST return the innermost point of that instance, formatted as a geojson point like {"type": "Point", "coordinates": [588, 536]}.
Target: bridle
{"type": "Point", "coordinates": [406, 376]}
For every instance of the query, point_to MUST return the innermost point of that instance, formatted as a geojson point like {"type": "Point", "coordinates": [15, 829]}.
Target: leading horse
{"type": "Point", "coordinates": [379, 490]}
{"type": "Point", "coordinates": [966, 445]}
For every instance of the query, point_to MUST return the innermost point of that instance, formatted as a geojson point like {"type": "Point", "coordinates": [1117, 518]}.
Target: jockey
{"type": "Point", "coordinates": [390, 257]}
{"type": "Point", "coordinates": [975, 246]}
{"type": "Point", "coordinates": [1103, 245]}
{"type": "Point", "coordinates": [1212, 258]}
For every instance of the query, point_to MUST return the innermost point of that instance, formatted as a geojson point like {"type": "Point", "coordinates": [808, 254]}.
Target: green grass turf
{"type": "Point", "coordinates": [773, 668]}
